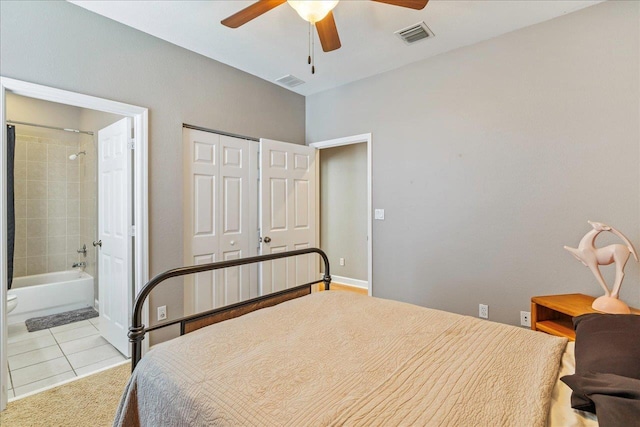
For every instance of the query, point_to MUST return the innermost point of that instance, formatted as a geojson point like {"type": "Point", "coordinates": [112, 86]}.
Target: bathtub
{"type": "Point", "coordinates": [50, 293]}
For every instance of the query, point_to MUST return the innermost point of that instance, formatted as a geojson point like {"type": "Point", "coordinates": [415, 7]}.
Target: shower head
{"type": "Point", "coordinates": [75, 156]}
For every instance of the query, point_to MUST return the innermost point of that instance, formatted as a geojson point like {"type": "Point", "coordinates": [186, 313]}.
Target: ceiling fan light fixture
{"type": "Point", "coordinates": [313, 10]}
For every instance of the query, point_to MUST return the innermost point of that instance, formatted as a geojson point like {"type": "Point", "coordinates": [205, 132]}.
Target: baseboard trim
{"type": "Point", "coordinates": [356, 283]}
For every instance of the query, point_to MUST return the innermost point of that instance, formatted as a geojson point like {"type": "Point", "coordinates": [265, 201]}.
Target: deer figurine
{"type": "Point", "coordinates": [593, 257]}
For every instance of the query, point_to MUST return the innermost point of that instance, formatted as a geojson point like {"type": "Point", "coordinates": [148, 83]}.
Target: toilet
{"type": "Point", "coordinates": [12, 302]}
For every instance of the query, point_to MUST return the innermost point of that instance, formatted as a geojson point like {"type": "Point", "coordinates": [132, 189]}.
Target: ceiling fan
{"type": "Point", "coordinates": [317, 13]}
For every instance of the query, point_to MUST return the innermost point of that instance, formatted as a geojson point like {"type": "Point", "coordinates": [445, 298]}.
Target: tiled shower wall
{"type": "Point", "coordinates": [88, 203]}
{"type": "Point", "coordinates": [47, 202]}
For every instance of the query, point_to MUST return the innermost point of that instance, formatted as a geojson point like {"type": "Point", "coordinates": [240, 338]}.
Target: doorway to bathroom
{"type": "Point", "coordinates": [57, 328]}
{"type": "Point", "coordinates": [76, 182]}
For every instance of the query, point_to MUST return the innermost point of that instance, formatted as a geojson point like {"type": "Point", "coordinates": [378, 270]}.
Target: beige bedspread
{"type": "Point", "coordinates": [337, 358]}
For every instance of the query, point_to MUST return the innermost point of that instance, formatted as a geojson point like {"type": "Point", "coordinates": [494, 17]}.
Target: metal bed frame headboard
{"type": "Point", "coordinates": [137, 331]}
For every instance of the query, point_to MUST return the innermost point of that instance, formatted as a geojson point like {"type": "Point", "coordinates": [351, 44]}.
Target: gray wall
{"type": "Point", "coordinates": [488, 159]}
{"type": "Point", "coordinates": [343, 209]}
{"type": "Point", "coordinates": [58, 44]}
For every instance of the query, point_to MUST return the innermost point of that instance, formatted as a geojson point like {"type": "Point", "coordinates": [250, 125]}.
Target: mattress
{"type": "Point", "coordinates": [338, 358]}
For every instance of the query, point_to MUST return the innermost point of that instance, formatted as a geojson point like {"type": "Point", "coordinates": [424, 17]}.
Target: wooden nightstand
{"type": "Point", "coordinates": [552, 314]}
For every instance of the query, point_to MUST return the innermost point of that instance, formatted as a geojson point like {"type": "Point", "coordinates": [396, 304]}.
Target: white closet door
{"type": "Point", "coordinates": [216, 197]}
{"type": "Point", "coordinates": [114, 219]}
{"type": "Point", "coordinates": [201, 219]}
{"type": "Point", "coordinates": [234, 217]}
{"type": "Point", "coordinates": [288, 209]}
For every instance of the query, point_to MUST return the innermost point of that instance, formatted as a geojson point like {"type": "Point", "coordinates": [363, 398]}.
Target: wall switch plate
{"type": "Point", "coordinates": [483, 311]}
{"type": "Point", "coordinates": [379, 214]}
{"type": "Point", "coordinates": [525, 318]}
{"type": "Point", "coordinates": [341, 261]}
{"type": "Point", "coordinates": [162, 312]}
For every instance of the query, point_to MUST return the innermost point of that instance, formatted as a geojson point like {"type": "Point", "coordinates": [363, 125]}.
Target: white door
{"type": "Point", "coordinates": [288, 209]}
{"type": "Point", "coordinates": [114, 222]}
{"type": "Point", "coordinates": [217, 205]}
{"type": "Point", "coordinates": [234, 218]}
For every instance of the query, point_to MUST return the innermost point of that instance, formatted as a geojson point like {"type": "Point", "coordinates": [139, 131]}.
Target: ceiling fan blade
{"type": "Point", "coordinates": [251, 12]}
{"type": "Point", "coordinates": [328, 33]}
{"type": "Point", "coordinates": [411, 4]}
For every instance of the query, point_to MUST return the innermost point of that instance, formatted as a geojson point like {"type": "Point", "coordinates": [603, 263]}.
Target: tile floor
{"type": "Point", "coordinates": [44, 358]}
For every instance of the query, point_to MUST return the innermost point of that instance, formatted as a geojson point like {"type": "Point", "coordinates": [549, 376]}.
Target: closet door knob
{"type": "Point", "coordinates": [98, 243]}
{"type": "Point", "coordinates": [233, 242]}
{"type": "Point", "coordinates": [267, 239]}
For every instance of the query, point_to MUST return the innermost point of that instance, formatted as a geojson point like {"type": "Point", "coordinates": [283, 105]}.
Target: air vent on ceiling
{"type": "Point", "coordinates": [415, 33]}
{"type": "Point", "coordinates": [290, 81]}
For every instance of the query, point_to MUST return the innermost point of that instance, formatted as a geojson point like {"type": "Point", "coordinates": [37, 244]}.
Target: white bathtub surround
{"type": "Point", "coordinates": [45, 358]}
{"type": "Point", "coordinates": [50, 293]}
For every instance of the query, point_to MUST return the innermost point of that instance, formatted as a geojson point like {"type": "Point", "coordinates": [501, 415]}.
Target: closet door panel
{"type": "Point", "coordinates": [201, 217]}
{"type": "Point", "coordinates": [217, 216]}
{"type": "Point", "coordinates": [234, 210]}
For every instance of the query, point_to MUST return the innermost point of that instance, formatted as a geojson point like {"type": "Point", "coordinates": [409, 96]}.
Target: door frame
{"type": "Point", "coordinates": [140, 117]}
{"type": "Point", "coordinates": [337, 142]}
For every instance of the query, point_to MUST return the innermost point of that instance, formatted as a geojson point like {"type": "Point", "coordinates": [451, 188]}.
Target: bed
{"type": "Point", "coordinates": [338, 358]}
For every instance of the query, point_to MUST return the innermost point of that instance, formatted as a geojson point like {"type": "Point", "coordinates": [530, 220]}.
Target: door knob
{"type": "Point", "coordinates": [267, 239]}
{"type": "Point", "coordinates": [98, 243]}
{"type": "Point", "coordinates": [233, 242]}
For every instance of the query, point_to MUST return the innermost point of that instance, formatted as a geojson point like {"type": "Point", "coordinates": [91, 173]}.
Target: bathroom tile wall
{"type": "Point", "coordinates": [47, 202]}
{"type": "Point", "coordinates": [88, 202]}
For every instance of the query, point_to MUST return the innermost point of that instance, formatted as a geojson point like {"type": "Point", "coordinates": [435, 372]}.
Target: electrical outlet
{"type": "Point", "coordinates": [162, 312]}
{"type": "Point", "coordinates": [525, 318]}
{"type": "Point", "coordinates": [483, 311]}
{"type": "Point", "coordinates": [341, 261]}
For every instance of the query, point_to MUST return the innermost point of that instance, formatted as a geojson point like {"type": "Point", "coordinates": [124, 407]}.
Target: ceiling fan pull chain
{"type": "Point", "coordinates": [313, 51]}
{"type": "Point", "coordinates": [309, 45]}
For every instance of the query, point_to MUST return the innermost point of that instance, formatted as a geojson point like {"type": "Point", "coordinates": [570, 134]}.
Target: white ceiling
{"type": "Point", "coordinates": [276, 43]}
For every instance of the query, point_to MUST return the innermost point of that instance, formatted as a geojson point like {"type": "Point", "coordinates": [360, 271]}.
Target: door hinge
{"type": "Point", "coordinates": [132, 231]}
{"type": "Point", "coordinates": [131, 144]}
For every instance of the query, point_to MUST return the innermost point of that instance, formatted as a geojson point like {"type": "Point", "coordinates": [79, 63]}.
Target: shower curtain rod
{"type": "Point", "coordinates": [50, 127]}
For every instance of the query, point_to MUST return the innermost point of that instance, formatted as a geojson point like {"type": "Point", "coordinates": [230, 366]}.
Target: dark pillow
{"type": "Point", "coordinates": [608, 344]}
{"type": "Point", "coordinates": [605, 344]}
{"type": "Point", "coordinates": [616, 399]}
